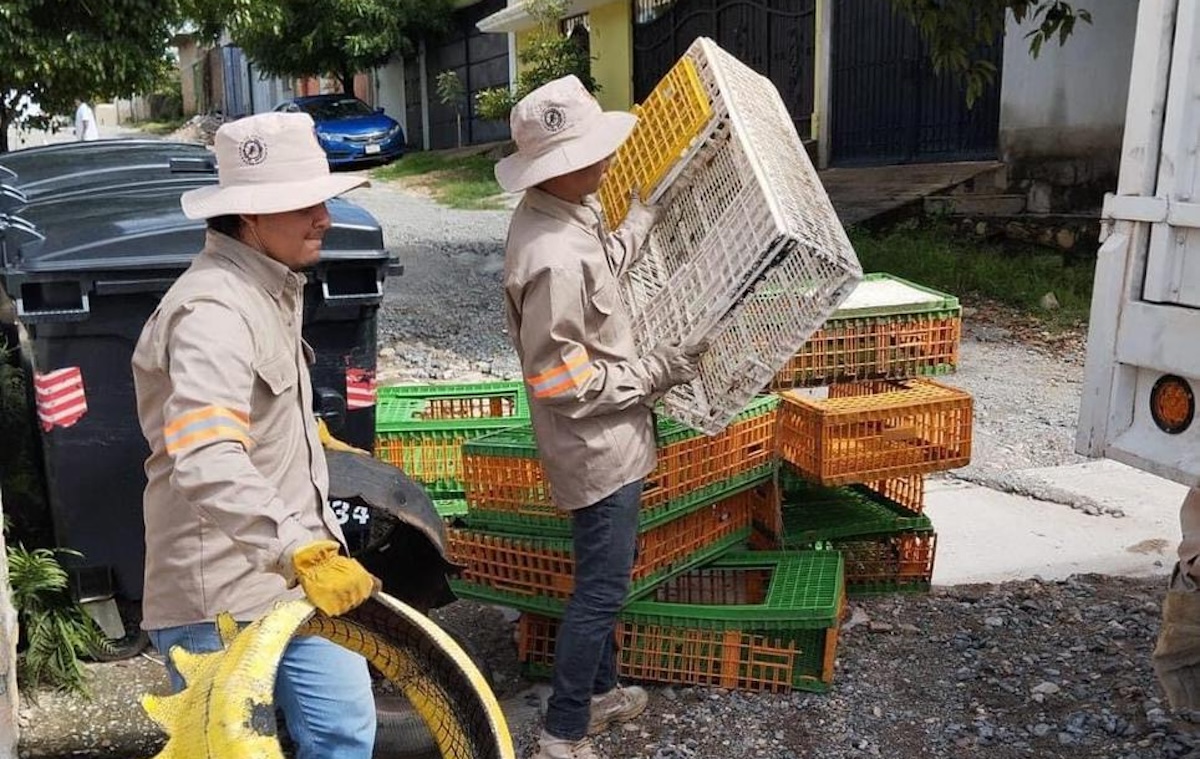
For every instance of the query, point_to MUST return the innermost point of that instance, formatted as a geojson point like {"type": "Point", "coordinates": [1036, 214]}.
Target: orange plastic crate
{"type": "Point", "coordinates": [688, 462]}
{"type": "Point", "coordinates": [537, 573]}
{"type": "Point", "coordinates": [892, 429]}
{"type": "Point", "coordinates": [907, 492]}
{"type": "Point", "coordinates": [895, 330]}
{"type": "Point", "coordinates": [902, 562]}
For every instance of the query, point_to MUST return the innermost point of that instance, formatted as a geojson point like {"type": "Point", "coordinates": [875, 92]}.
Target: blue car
{"type": "Point", "coordinates": [349, 130]}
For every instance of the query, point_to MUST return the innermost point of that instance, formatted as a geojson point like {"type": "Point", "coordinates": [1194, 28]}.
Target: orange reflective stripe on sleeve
{"type": "Point", "coordinates": [561, 378]}
{"type": "Point", "coordinates": [206, 425]}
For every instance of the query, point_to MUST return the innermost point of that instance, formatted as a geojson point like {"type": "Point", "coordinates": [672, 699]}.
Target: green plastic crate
{"type": "Point", "coordinates": [813, 513]}
{"type": "Point", "coordinates": [757, 621]}
{"type": "Point", "coordinates": [935, 302]}
{"type": "Point", "coordinates": [897, 562]}
{"type": "Point", "coordinates": [886, 548]}
{"type": "Point", "coordinates": [533, 524]}
{"type": "Point", "coordinates": [450, 508]}
{"type": "Point", "coordinates": [556, 606]}
{"type": "Point", "coordinates": [421, 428]}
{"type": "Point", "coordinates": [518, 441]}
{"type": "Point", "coordinates": [404, 408]}
{"type": "Point", "coordinates": [916, 334]}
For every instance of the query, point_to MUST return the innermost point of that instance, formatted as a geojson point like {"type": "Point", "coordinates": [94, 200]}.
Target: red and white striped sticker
{"type": "Point", "coordinates": [360, 388]}
{"type": "Point", "coordinates": [61, 401]}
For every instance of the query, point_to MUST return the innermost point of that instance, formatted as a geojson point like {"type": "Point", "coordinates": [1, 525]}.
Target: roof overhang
{"type": "Point", "coordinates": [516, 18]}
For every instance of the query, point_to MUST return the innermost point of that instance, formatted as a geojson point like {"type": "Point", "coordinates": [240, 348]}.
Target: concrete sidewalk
{"type": "Point", "coordinates": [988, 536]}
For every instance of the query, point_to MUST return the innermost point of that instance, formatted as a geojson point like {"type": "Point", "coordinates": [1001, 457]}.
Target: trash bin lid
{"type": "Point", "coordinates": [130, 231]}
{"type": "Point", "coordinates": [79, 168]}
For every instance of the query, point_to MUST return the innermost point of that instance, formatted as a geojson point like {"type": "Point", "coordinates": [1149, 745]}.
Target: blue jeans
{"type": "Point", "coordinates": [323, 690]}
{"type": "Point", "coordinates": [585, 661]}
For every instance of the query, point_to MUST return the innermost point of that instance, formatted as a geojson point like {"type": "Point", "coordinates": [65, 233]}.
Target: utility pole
{"type": "Point", "coordinates": [10, 701]}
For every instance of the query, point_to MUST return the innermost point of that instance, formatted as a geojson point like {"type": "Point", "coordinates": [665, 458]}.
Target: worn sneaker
{"type": "Point", "coordinates": [618, 705]}
{"type": "Point", "coordinates": [550, 747]}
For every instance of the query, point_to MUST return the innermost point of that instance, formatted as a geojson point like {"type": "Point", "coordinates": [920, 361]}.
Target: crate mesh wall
{"type": "Point", "coordinates": [749, 252]}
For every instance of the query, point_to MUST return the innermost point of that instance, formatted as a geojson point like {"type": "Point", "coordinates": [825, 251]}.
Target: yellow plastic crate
{"type": "Point", "coordinates": [675, 113]}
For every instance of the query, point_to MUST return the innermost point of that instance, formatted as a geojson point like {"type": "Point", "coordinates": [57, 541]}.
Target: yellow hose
{"type": "Point", "coordinates": [227, 709]}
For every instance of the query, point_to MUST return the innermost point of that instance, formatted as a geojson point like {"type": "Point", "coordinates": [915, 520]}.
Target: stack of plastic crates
{"type": "Point", "coordinates": [751, 621]}
{"type": "Point", "coordinates": [748, 253]}
{"type": "Point", "coordinates": [515, 546]}
{"type": "Point", "coordinates": [862, 428]}
{"type": "Point", "coordinates": [421, 429]}
{"type": "Point", "coordinates": [887, 544]}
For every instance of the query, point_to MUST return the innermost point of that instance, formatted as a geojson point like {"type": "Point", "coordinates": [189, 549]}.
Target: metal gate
{"type": "Point", "coordinates": [886, 103]}
{"type": "Point", "coordinates": [775, 37]}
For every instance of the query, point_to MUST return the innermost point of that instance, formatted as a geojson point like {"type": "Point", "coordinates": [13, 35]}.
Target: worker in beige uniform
{"type": "Point", "coordinates": [1177, 655]}
{"type": "Point", "coordinates": [591, 393]}
{"type": "Point", "coordinates": [235, 504]}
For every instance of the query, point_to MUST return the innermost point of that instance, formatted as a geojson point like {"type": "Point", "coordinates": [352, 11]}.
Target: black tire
{"type": "Point", "coordinates": [400, 733]}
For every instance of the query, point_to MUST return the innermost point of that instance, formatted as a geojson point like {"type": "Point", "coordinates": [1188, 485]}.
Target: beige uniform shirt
{"type": "Point", "coordinates": [588, 388]}
{"type": "Point", "coordinates": [236, 474]}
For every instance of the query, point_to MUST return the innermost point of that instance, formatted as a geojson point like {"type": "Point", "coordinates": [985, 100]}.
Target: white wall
{"type": "Point", "coordinates": [267, 92]}
{"type": "Point", "coordinates": [389, 91]}
{"type": "Point", "coordinates": [1070, 101]}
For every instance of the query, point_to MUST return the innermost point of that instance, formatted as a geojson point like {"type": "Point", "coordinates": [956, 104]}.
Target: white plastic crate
{"type": "Point", "coordinates": [749, 253]}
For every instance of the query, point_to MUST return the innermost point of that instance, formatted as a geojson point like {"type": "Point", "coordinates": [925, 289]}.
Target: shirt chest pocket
{"type": "Point", "coordinates": [279, 374]}
{"type": "Point", "coordinates": [276, 398]}
{"type": "Point", "coordinates": [605, 317]}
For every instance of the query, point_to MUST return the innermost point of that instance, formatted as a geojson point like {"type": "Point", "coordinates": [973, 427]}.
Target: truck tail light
{"type": "Point", "coordinates": [1172, 404]}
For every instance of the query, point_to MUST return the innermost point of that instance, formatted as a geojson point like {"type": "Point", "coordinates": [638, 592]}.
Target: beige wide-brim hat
{"type": "Point", "coordinates": [559, 128]}
{"type": "Point", "coordinates": [268, 163]}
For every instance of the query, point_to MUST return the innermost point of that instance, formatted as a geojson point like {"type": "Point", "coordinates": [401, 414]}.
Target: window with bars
{"type": "Point", "coordinates": [645, 11]}
{"type": "Point", "coordinates": [571, 25]}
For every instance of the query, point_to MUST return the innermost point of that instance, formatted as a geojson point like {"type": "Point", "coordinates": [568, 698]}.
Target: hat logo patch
{"type": "Point", "coordinates": [252, 151]}
{"type": "Point", "coordinates": [553, 119]}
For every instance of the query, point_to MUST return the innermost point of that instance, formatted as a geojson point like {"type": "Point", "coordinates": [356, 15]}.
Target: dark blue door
{"type": "Point", "coordinates": [777, 38]}
{"type": "Point", "coordinates": [886, 103]}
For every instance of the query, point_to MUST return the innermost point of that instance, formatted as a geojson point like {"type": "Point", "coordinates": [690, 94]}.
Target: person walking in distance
{"type": "Point", "coordinates": [591, 392]}
{"type": "Point", "coordinates": [86, 128]}
{"type": "Point", "coordinates": [235, 505]}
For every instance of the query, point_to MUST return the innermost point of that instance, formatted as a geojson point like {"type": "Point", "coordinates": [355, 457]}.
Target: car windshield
{"type": "Point", "coordinates": [332, 110]}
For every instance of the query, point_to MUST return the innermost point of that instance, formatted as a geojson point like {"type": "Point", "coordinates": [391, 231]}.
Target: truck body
{"type": "Point", "coordinates": [1143, 356]}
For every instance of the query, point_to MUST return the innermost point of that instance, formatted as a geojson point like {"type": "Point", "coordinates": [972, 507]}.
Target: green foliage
{"type": "Point", "coordinates": [302, 38]}
{"type": "Point", "coordinates": [55, 629]}
{"type": "Point", "coordinates": [547, 55]}
{"type": "Point", "coordinates": [53, 52]}
{"type": "Point", "coordinates": [452, 92]}
{"type": "Point", "coordinates": [457, 181]}
{"type": "Point", "coordinates": [1016, 275]}
{"type": "Point", "coordinates": [955, 31]}
{"type": "Point", "coordinates": [450, 88]}
{"type": "Point", "coordinates": [494, 104]}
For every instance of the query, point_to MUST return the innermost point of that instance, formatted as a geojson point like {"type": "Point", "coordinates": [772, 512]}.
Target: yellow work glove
{"type": "Point", "coordinates": [332, 443]}
{"type": "Point", "coordinates": [333, 583]}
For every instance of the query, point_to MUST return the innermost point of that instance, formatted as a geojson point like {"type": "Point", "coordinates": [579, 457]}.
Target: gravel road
{"type": "Point", "coordinates": [1026, 669]}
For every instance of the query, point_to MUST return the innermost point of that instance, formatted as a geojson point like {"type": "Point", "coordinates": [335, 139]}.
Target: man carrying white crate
{"type": "Point", "coordinates": [591, 393]}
